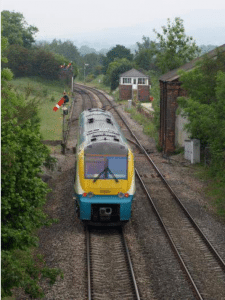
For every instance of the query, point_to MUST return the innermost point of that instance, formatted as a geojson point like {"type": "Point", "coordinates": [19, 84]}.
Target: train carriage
{"type": "Point", "coordinates": [105, 177]}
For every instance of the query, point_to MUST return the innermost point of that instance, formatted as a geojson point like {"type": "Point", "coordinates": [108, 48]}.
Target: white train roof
{"type": "Point", "coordinates": [99, 126]}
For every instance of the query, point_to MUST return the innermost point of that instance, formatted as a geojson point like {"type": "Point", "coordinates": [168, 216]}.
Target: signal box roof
{"type": "Point", "coordinates": [133, 73]}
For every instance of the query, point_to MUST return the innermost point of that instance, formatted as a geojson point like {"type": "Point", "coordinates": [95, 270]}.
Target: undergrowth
{"type": "Point", "coordinates": [215, 188]}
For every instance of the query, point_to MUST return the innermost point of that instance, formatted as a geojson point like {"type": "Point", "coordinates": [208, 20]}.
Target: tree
{"type": "Point", "coordinates": [67, 49]}
{"type": "Point", "coordinates": [19, 60]}
{"type": "Point", "coordinates": [175, 48]}
{"type": "Point", "coordinates": [145, 56]}
{"type": "Point", "coordinates": [116, 53]}
{"type": "Point", "coordinates": [146, 44]}
{"type": "Point", "coordinates": [16, 29]}
{"type": "Point", "coordinates": [33, 62]}
{"type": "Point", "coordinates": [45, 65]}
{"type": "Point", "coordinates": [23, 196]}
{"type": "Point", "coordinates": [114, 70]}
{"type": "Point", "coordinates": [6, 74]}
{"type": "Point", "coordinates": [23, 193]}
{"type": "Point", "coordinates": [93, 60]}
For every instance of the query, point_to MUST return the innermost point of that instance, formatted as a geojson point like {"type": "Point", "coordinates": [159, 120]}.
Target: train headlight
{"type": "Point", "coordinates": [122, 195]}
{"type": "Point", "coordinates": [89, 195]}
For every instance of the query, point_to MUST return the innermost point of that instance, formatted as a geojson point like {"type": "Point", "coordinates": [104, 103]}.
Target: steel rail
{"type": "Point", "coordinates": [131, 267]}
{"type": "Point", "coordinates": [128, 259]}
{"type": "Point", "coordinates": [88, 95]}
{"type": "Point", "coordinates": [88, 263]}
{"type": "Point", "coordinates": [212, 249]}
{"type": "Point", "coordinates": [170, 238]}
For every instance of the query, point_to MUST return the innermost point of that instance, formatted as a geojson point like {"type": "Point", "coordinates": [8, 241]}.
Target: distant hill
{"type": "Point", "coordinates": [207, 48]}
{"type": "Point", "coordinates": [86, 50]}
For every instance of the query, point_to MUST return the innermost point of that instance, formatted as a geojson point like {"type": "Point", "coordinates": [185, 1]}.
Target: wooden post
{"type": "Point", "coordinates": [63, 134]}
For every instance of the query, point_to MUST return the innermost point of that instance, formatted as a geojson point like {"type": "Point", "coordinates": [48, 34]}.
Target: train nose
{"type": "Point", "coordinates": [105, 211]}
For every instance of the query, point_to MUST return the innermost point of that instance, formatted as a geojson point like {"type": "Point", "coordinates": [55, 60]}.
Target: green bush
{"type": "Point", "coordinates": [32, 62]}
{"type": "Point", "coordinates": [23, 196]}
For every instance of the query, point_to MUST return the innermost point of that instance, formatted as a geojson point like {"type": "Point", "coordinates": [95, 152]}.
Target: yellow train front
{"type": "Point", "coordinates": [105, 176]}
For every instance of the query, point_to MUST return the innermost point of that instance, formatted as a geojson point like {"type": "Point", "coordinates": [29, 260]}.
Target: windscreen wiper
{"type": "Point", "coordinates": [113, 175]}
{"type": "Point", "coordinates": [100, 174]}
{"type": "Point", "coordinates": [106, 169]}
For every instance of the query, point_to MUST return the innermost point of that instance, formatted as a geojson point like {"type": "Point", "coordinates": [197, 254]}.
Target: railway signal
{"type": "Point", "coordinates": [63, 100]}
{"type": "Point", "coordinates": [57, 106]}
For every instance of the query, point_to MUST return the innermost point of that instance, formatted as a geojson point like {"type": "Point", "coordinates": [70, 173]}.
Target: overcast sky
{"type": "Point", "coordinates": [101, 20]}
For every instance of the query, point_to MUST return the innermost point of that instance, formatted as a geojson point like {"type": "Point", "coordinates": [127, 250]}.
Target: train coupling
{"type": "Point", "coordinates": [105, 211]}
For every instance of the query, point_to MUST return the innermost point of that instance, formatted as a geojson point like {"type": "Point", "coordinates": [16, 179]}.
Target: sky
{"type": "Point", "coordinates": [103, 23]}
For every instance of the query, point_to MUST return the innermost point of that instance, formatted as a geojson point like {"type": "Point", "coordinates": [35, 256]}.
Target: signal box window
{"type": "Point", "coordinates": [126, 80]}
{"type": "Point", "coordinates": [141, 80]}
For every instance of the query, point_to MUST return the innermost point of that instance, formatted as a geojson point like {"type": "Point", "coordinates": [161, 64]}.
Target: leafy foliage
{"type": "Point", "coordinates": [94, 62]}
{"type": "Point", "coordinates": [205, 106]}
{"type": "Point", "coordinates": [67, 49]}
{"type": "Point", "coordinates": [23, 194]}
{"type": "Point", "coordinates": [116, 53]}
{"type": "Point", "coordinates": [65, 52]}
{"type": "Point", "coordinates": [16, 30]}
{"type": "Point", "coordinates": [32, 62]}
{"type": "Point", "coordinates": [145, 56]}
{"type": "Point", "coordinates": [175, 48]}
{"type": "Point", "coordinates": [114, 70]}
{"type": "Point", "coordinates": [45, 65]}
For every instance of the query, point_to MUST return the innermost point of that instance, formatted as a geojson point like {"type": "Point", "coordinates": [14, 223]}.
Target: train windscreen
{"type": "Point", "coordinates": [105, 167]}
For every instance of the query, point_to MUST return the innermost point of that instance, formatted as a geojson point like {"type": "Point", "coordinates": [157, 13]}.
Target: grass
{"type": "Point", "coordinates": [215, 188]}
{"type": "Point", "coordinates": [48, 93]}
{"type": "Point", "coordinates": [96, 83]}
{"type": "Point", "coordinates": [148, 125]}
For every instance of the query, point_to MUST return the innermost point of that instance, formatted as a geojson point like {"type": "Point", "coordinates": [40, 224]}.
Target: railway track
{"type": "Point", "coordinates": [110, 271]}
{"type": "Point", "coordinates": [200, 262]}
{"type": "Point", "coordinates": [87, 99]}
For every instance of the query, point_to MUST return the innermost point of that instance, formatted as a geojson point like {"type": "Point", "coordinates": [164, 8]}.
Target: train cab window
{"type": "Point", "coordinates": [93, 166]}
{"type": "Point", "coordinates": [118, 166]}
{"type": "Point", "coordinates": [109, 166]}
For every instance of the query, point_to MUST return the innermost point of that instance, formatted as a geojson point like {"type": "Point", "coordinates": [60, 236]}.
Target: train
{"type": "Point", "coordinates": [104, 185]}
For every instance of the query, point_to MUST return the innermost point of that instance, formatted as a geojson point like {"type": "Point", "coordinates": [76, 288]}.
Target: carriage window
{"type": "Point", "coordinates": [94, 165]}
